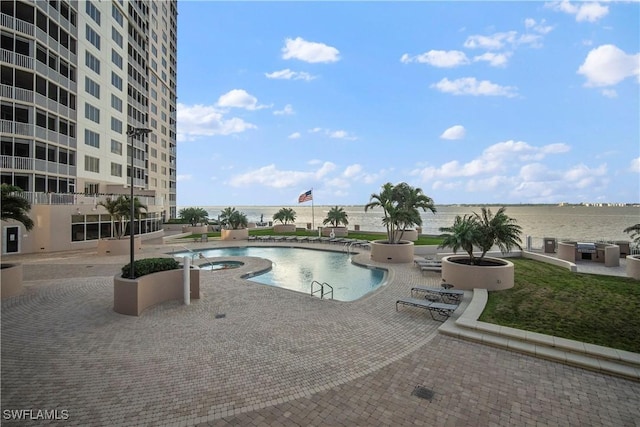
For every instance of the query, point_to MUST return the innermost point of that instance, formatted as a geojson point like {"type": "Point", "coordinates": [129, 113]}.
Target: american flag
{"type": "Point", "coordinates": [305, 197]}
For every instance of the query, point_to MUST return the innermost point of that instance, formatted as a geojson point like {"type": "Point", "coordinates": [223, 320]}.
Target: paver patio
{"type": "Point", "coordinates": [275, 357]}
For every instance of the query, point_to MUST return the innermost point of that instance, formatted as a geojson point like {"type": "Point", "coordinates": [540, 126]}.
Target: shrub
{"type": "Point", "coordinates": [150, 265]}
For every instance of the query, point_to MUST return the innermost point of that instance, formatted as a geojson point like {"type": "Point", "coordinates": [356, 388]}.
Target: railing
{"type": "Point", "coordinates": [321, 289]}
{"type": "Point", "coordinates": [37, 198]}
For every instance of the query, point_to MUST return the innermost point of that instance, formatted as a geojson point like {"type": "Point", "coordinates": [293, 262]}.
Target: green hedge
{"type": "Point", "coordinates": [150, 265]}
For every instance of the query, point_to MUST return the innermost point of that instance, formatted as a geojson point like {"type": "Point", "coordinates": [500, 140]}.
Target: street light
{"type": "Point", "coordinates": [133, 132]}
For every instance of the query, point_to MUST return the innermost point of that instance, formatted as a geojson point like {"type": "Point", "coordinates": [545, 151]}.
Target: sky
{"type": "Point", "coordinates": [473, 102]}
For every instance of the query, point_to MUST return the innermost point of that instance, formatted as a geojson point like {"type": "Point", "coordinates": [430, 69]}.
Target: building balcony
{"type": "Point", "coordinates": [18, 25]}
{"type": "Point", "coordinates": [17, 59]}
{"type": "Point", "coordinates": [78, 199]}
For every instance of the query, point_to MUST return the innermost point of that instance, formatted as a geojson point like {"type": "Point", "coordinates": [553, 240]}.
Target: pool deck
{"type": "Point", "coordinates": [253, 355]}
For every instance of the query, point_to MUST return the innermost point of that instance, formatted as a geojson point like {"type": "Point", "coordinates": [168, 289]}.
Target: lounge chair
{"type": "Point", "coordinates": [252, 237]}
{"type": "Point", "coordinates": [444, 295]}
{"type": "Point", "coordinates": [277, 238]}
{"type": "Point", "coordinates": [440, 308]}
{"type": "Point", "coordinates": [313, 239]}
{"type": "Point", "coordinates": [434, 268]}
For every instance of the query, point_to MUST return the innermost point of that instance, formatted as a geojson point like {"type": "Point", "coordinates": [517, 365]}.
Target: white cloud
{"type": "Point", "coordinates": [186, 177]}
{"type": "Point", "coordinates": [581, 176]}
{"type": "Point", "coordinates": [294, 135]}
{"type": "Point", "coordinates": [313, 52]}
{"type": "Point", "coordinates": [454, 132]}
{"type": "Point", "coordinates": [539, 27]}
{"type": "Point", "coordinates": [270, 176]}
{"type": "Point", "coordinates": [287, 110]}
{"type": "Point", "coordinates": [635, 165]}
{"type": "Point", "coordinates": [499, 41]}
{"type": "Point", "coordinates": [341, 134]}
{"type": "Point", "coordinates": [288, 74]}
{"type": "Point", "coordinates": [352, 171]}
{"type": "Point", "coordinates": [202, 120]}
{"type": "Point", "coordinates": [609, 93]}
{"type": "Point", "coordinates": [471, 86]}
{"type": "Point", "coordinates": [494, 59]}
{"type": "Point", "coordinates": [239, 98]}
{"type": "Point", "coordinates": [608, 65]}
{"type": "Point", "coordinates": [438, 58]}
{"type": "Point", "coordinates": [585, 11]}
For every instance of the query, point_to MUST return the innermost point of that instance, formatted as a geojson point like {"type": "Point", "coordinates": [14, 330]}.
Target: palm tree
{"type": "Point", "coordinates": [483, 231]}
{"type": "Point", "coordinates": [224, 216]}
{"type": "Point", "coordinates": [15, 207]}
{"type": "Point", "coordinates": [336, 216]}
{"type": "Point", "coordinates": [634, 233]}
{"type": "Point", "coordinates": [401, 205]}
{"type": "Point", "coordinates": [463, 234]}
{"type": "Point", "coordinates": [116, 209]}
{"type": "Point", "coordinates": [194, 215]}
{"type": "Point", "coordinates": [285, 215]}
{"type": "Point", "coordinates": [230, 218]}
{"type": "Point", "coordinates": [126, 209]}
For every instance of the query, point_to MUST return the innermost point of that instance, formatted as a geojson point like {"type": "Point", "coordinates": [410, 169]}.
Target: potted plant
{"type": "Point", "coordinates": [119, 209]}
{"type": "Point", "coordinates": [401, 205]}
{"type": "Point", "coordinates": [198, 220]}
{"type": "Point", "coordinates": [156, 280]}
{"type": "Point", "coordinates": [234, 225]}
{"type": "Point", "coordinates": [285, 216]}
{"type": "Point", "coordinates": [633, 261]}
{"type": "Point", "coordinates": [16, 208]}
{"type": "Point", "coordinates": [338, 220]}
{"type": "Point", "coordinates": [481, 231]}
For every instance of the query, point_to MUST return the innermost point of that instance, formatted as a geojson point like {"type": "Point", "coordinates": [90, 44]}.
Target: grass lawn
{"type": "Point", "coordinates": [422, 240]}
{"type": "Point", "coordinates": [603, 310]}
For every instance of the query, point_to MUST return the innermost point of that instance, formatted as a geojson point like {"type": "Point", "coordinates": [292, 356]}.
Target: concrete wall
{"type": "Point", "coordinates": [550, 260]}
{"type": "Point", "coordinates": [633, 266]}
{"type": "Point", "coordinates": [242, 234]}
{"type": "Point", "coordinates": [284, 228]}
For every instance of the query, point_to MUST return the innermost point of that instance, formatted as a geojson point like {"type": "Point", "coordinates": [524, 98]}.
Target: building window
{"type": "Point", "coordinates": [92, 87]}
{"type": "Point", "coordinates": [116, 169]}
{"type": "Point", "coordinates": [153, 167]}
{"type": "Point", "coordinates": [92, 62]}
{"type": "Point", "coordinates": [93, 12]}
{"type": "Point", "coordinates": [154, 153]}
{"type": "Point", "coordinates": [93, 37]}
{"type": "Point", "coordinates": [116, 103]}
{"type": "Point", "coordinates": [116, 36]}
{"type": "Point", "coordinates": [116, 125]}
{"type": "Point", "coordinates": [116, 80]}
{"type": "Point", "coordinates": [117, 15]}
{"type": "Point", "coordinates": [91, 164]}
{"type": "Point", "coordinates": [91, 138]}
{"type": "Point", "coordinates": [116, 147]}
{"type": "Point", "coordinates": [116, 58]}
{"type": "Point", "coordinates": [92, 113]}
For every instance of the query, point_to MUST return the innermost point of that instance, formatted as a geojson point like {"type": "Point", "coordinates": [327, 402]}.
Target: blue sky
{"type": "Point", "coordinates": [474, 102]}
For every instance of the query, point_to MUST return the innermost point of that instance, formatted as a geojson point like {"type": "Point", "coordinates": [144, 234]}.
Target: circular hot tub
{"type": "Point", "coordinates": [221, 265]}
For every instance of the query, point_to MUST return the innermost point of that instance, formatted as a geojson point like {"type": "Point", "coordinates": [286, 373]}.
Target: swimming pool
{"type": "Point", "coordinates": [296, 268]}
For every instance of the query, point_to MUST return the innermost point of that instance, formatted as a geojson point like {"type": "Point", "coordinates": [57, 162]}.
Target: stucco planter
{"type": "Point", "coordinates": [498, 275]}
{"type": "Point", "coordinates": [337, 231]}
{"type": "Point", "coordinates": [633, 266]}
{"type": "Point", "coordinates": [411, 235]}
{"type": "Point", "coordinates": [382, 251]}
{"type": "Point", "coordinates": [241, 234]}
{"type": "Point", "coordinates": [284, 228]}
{"type": "Point", "coordinates": [10, 280]}
{"type": "Point", "coordinates": [118, 246]}
{"type": "Point", "coordinates": [133, 296]}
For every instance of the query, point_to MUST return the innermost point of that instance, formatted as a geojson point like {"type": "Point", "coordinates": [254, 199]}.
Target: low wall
{"type": "Point", "coordinates": [550, 260]}
{"type": "Point", "coordinates": [337, 231]}
{"type": "Point", "coordinates": [118, 246]}
{"type": "Point", "coordinates": [10, 280]}
{"type": "Point", "coordinates": [567, 251]}
{"type": "Point", "coordinates": [284, 228]}
{"type": "Point", "coordinates": [133, 296]}
{"type": "Point", "coordinates": [242, 234]}
{"type": "Point", "coordinates": [633, 266]}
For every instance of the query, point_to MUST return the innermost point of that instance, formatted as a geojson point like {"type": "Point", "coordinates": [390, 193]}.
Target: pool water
{"type": "Point", "coordinates": [296, 268]}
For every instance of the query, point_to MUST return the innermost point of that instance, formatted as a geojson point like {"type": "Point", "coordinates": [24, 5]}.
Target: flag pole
{"type": "Point", "coordinates": [313, 219]}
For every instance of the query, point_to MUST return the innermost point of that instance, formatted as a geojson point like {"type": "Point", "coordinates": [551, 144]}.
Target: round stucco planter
{"type": "Point", "coordinates": [284, 228]}
{"type": "Point", "coordinates": [133, 296]}
{"type": "Point", "coordinates": [411, 235]}
{"type": "Point", "coordinates": [633, 266]}
{"type": "Point", "coordinates": [242, 234]}
{"type": "Point", "coordinates": [493, 277]}
{"type": "Point", "coordinates": [10, 280]}
{"type": "Point", "coordinates": [337, 231]}
{"type": "Point", "coordinates": [381, 251]}
{"type": "Point", "coordinates": [118, 246]}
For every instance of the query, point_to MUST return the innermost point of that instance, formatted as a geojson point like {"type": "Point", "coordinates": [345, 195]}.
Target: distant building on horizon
{"type": "Point", "coordinates": [76, 77]}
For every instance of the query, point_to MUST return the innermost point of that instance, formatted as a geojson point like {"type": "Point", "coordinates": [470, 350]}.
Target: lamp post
{"type": "Point", "coordinates": [132, 133]}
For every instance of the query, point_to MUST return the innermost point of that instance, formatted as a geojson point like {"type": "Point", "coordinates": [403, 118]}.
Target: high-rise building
{"type": "Point", "coordinates": [81, 80]}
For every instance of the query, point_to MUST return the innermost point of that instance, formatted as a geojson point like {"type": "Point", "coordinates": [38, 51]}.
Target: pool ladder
{"type": "Point", "coordinates": [321, 289]}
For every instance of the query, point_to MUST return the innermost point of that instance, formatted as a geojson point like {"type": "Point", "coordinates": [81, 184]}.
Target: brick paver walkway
{"type": "Point", "coordinates": [249, 354]}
